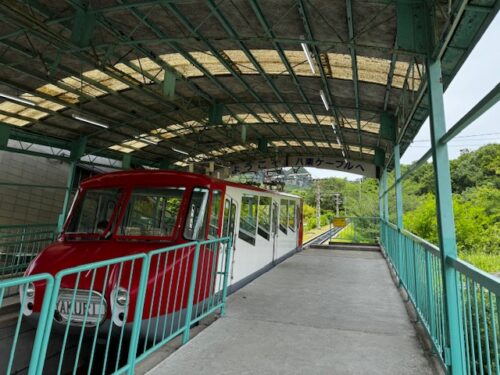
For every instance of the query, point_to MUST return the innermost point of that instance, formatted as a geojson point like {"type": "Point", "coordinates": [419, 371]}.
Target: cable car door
{"type": "Point", "coordinates": [228, 228]}
{"type": "Point", "coordinates": [274, 229]}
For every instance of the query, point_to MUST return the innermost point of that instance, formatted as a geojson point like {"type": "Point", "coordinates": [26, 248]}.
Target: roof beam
{"type": "Point", "coordinates": [186, 55]}
{"type": "Point", "coordinates": [265, 25]}
{"type": "Point", "coordinates": [354, 64]}
{"type": "Point", "coordinates": [305, 19]}
{"type": "Point", "coordinates": [173, 9]}
{"type": "Point", "coordinates": [106, 89]}
{"type": "Point", "coordinates": [230, 30]}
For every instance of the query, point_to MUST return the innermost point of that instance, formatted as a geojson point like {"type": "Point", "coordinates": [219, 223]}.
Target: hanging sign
{"type": "Point", "coordinates": [324, 162]}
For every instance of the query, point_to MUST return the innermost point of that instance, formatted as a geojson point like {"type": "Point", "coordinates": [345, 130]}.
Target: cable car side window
{"type": "Point", "coordinates": [248, 218]}
{"type": "Point", "coordinates": [152, 212]}
{"type": "Point", "coordinates": [196, 219]}
{"type": "Point", "coordinates": [214, 214]}
{"type": "Point", "coordinates": [291, 215]}
{"type": "Point", "coordinates": [264, 227]}
{"type": "Point", "coordinates": [284, 216]}
{"type": "Point", "coordinates": [94, 211]}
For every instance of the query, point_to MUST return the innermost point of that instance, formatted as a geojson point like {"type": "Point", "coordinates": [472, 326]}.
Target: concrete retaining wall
{"type": "Point", "coordinates": [26, 205]}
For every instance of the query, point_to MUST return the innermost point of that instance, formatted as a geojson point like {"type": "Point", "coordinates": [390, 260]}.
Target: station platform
{"type": "Point", "coordinates": [319, 312]}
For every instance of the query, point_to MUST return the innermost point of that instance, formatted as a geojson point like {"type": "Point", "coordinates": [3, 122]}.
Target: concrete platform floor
{"type": "Point", "coordinates": [319, 312]}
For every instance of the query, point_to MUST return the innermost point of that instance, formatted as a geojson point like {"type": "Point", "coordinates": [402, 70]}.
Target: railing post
{"type": "Point", "coordinates": [192, 285]}
{"type": "Point", "coordinates": [430, 293]}
{"type": "Point", "coordinates": [446, 224]}
{"type": "Point", "coordinates": [45, 314]}
{"type": "Point", "coordinates": [381, 202]}
{"type": "Point", "coordinates": [226, 274]}
{"type": "Point", "coordinates": [139, 307]}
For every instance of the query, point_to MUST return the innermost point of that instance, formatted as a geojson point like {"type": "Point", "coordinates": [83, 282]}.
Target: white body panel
{"type": "Point", "coordinates": [247, 259]}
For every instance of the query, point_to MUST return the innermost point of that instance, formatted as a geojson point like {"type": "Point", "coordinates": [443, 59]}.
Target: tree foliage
{"type": "Point", "coordinates": [476, 203]}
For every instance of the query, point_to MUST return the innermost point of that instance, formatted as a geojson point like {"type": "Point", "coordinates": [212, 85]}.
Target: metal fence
{"type": "Point", "coordinates": [19, 244]}
{"type": "Point", "coordinates": [107, 316]}
{"type": "Point", "coordinates": [361, 230]}
{"type": "Point", "coordinates": [418, 266]}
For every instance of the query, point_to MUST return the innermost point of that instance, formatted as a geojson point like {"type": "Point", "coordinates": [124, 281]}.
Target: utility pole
{"type": "Point", "coordinates": [318, 205]}
{"type": "Point", "coordinates": [338, 200]}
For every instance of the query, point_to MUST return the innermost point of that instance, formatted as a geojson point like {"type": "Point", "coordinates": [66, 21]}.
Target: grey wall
{"type": "Point", "coordinates": [23, 205]}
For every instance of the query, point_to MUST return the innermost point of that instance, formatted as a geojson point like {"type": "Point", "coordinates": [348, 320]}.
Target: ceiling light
{"type": "Point", "coordinates": [333, 127]}
{"type": "Point", "coordinates": [338, 141]}
{"type": "Point", "coordinates": [323, 97]}
{"type": "Point", "coordinates": [343, 153]}
{"type": "Point", "coordinates": [179, 151]}
{"type": "Point", "coordinates": [307, 52]}
{"type": "Point", "coordinates": [93, 122]}
{"type": "Point", "coordinates": [145, 140]}
{"type": "Point", "coordinates": [17, 99]}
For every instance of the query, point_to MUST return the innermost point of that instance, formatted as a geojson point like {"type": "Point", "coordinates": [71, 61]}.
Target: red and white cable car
{"type": "Point", "coordinates": [125, 213]}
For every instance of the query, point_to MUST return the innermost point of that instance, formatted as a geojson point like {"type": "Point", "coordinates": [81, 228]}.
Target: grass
{"type": "Point", "coordinates": [354, 234]}
{"type": "Point", "coordinates": [315, 232]}
{"type": "Point", "coordinates": [487, 262]}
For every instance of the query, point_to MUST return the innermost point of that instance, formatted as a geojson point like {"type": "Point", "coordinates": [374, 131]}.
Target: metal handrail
{"type": "Point", "coordinates": [205, 293]}
{"type": "Point", "coordinates": [418, 265]}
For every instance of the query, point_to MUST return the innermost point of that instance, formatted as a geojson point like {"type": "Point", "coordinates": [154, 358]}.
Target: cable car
{"type": "Point", "coordinates": [135, 212]}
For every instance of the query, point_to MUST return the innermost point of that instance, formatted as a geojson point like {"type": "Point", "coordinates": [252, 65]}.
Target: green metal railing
{"type": "Point", "coordinates": [361, 230]}
{"type": "Point", "coordinates": [19, 244]}
{"type": "Point", "coordinates": [418, 266]}
{"type": "Point", "coordinates": [107, 316]}
{"type": "Point", "coordinates": [21, 343]}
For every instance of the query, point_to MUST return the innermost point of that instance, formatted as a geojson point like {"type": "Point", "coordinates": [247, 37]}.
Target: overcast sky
{"type": "Point", "coordinates": [478, 76]}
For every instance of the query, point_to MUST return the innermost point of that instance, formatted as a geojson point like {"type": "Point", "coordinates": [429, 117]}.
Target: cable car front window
{"type": "Point", "coordinates": [94, 211]}
{"type": "Point", "coordinates": [152, 212]}
{"type": "Point", "coordinates": [197, 215]}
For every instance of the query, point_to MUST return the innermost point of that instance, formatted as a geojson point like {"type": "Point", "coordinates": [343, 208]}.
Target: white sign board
{"type": "Point", "coordinates": [323, 162]}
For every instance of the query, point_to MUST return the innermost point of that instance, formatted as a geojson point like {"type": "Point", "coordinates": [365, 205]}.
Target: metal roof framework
{"type": "Point", "coordinates": [157, 83]}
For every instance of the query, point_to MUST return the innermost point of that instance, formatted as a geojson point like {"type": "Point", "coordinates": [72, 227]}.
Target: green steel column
{"type": "Point", "coordinates": [386, 196]}
{"type": "Point", "coordinates": [67, 194]}
{"type": "Point", "coordinates": [381, 197]}
{"type": "Point", "coordinates": [399, 190]}
{"type": "Point", "coordinates": [399, 215]}
{"type": "Point", "coordinates": [446, 225]}
{"type": "Point", "coordinates": [381, 200]}
{"type": "Point", "coordinates": [77, 151]}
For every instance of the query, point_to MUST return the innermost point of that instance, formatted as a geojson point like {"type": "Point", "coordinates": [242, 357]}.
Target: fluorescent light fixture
{"type": "Point", "coordinates": [145, 140]}
{"type": "Point", "coordinates": [180, 151]}
{"type": "Point", "coordinates": [343, 153]}
{"type": "Point", "coordinates": [17, 99]}
{"type": "Point", "coordinates": [333, 127]}
{"type": "Point", "coordinates": [338, 141]}
{"type": "Point", "coordinates": [307, 52]}
{"type": "Point", "coordinates": [323, 97]}
{"type": "Point", "coordinates": [89, 121]}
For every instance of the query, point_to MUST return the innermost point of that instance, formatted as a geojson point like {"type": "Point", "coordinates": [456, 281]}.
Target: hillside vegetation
{"type": "Point", "coordinates": [476, 203]}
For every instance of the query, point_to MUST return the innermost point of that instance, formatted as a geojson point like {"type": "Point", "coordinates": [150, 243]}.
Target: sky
{"type": "Point", "coordinates": [478, 76]}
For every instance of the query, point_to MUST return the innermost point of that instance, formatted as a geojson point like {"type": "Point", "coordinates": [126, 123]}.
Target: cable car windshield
{"type": "Point", "coordinates": [152, 212]}
{"type": "Point", "coordinates": [94, 212]}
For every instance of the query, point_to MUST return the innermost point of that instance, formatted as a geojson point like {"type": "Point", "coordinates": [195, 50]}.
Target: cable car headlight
{"type": "Point", "coordinates": [121, 297]}
{"type": "Point", "coordinates": [30, 290]}
{"type": "Point", "coordinates": [27, 298]}
{"type": "Point", "coordinates": [119, 305]}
